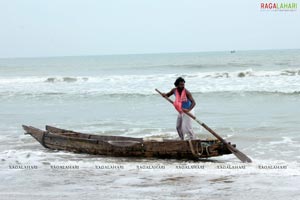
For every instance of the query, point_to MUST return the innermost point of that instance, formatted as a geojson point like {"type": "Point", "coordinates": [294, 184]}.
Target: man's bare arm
{"type": "Point", "coordinates": [169, 93]}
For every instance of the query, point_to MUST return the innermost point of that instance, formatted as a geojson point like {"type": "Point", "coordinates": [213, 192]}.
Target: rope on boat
{"type": "Point", "coordinates": [202, 145]}
{"type": "Point", "coordinates": [192, 148]}
{"type": "Point", "coordinates": [200, 154]}
{"type": "Point", "coordinates": [207, 151]}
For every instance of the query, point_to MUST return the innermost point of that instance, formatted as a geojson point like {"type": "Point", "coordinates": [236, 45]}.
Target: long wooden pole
{"type": "Point", "coordinates": [234, 150]}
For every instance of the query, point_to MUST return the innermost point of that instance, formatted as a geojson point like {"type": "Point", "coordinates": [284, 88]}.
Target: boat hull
{"type": "Point", "coordinates": [67, 140]}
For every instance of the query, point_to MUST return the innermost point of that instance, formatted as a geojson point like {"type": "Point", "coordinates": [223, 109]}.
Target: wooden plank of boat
{"type": "Point", "coordinates": [60, 131]}
{"type": "Point", "coordinates": [128, 141]}
{"type": "Point", "coordinates": [61, 139]}
{"type": "Point", "coordinates": [81, 144]}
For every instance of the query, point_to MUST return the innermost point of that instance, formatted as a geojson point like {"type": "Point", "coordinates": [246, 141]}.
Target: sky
{"type": "Point", "coordinates": [43, 28]}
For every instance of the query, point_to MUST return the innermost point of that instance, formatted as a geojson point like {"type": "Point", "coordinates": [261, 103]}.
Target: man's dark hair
{"type": "Point", "coordinates": [178, 80]}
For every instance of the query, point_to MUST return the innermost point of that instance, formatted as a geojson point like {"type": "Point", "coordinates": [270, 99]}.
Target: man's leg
{"type": "Point", "coordinates": [187, 127]}
{"type": "Point", "coordinates": [179, 126]}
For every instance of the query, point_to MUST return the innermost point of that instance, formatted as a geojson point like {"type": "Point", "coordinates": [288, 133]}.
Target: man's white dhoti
{"type": "Point", "coordinates": [184, 125]}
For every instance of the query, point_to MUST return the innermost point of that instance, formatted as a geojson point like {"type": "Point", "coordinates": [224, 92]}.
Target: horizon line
{"type": "Point", "coordinates": [128, 54]}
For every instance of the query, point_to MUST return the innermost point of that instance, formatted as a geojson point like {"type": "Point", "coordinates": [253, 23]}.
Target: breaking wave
{"type": "Point", "coordinates": [65, 79]}
{"type": "Point", "coordinates": [285, 81]}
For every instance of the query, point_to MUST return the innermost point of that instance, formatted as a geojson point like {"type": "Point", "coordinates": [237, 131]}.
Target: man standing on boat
{"type": "Point", "coordinates": [184, 102]}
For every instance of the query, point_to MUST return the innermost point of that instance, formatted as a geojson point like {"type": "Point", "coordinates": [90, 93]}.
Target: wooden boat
{"type": "Point", "coordinates": [61, 139]}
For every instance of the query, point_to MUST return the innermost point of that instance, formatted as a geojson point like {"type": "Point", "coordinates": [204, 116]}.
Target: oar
{"type": "Point", "coordinates": [234, 150]}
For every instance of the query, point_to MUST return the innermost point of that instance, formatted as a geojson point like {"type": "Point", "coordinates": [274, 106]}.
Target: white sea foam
{"type": "Point", "coordinates": [225, 165]}
{"type": "Point", "coordinates": [218, 74]}
{"type": "Point", "coordinates": [282, 81]}
{"type": "Point", "coordinates": [285, 140]}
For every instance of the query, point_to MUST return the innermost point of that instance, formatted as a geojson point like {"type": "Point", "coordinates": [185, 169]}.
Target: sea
{"type": "Point", "coordinates": [250, 98]}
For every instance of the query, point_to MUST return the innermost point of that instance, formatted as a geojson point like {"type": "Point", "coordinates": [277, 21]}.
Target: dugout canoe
{"type": "Point", "coordinates": [67, 140]}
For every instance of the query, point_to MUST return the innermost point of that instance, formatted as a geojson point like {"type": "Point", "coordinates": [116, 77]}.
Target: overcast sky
{"type": "Point", "coordinates": [34, 28]}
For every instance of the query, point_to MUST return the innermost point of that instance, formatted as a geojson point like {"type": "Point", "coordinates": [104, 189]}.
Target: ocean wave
{"type": "Point", "coordinates": [66, 79]}
{"type": "Point", "coordinates": [225, 165]}
{"type": "Point", "coordinates": [72, 95]}
{"type": "Point", "coordinates": [265, 82]}
{"type": "Point", "coordinates": [251, 73]}
{"type": "Point", "coordinates": [203, 75]}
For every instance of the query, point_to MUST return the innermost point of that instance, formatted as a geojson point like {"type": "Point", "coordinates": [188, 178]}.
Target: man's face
{"type": "Point", "coordinates": [181, 85]}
